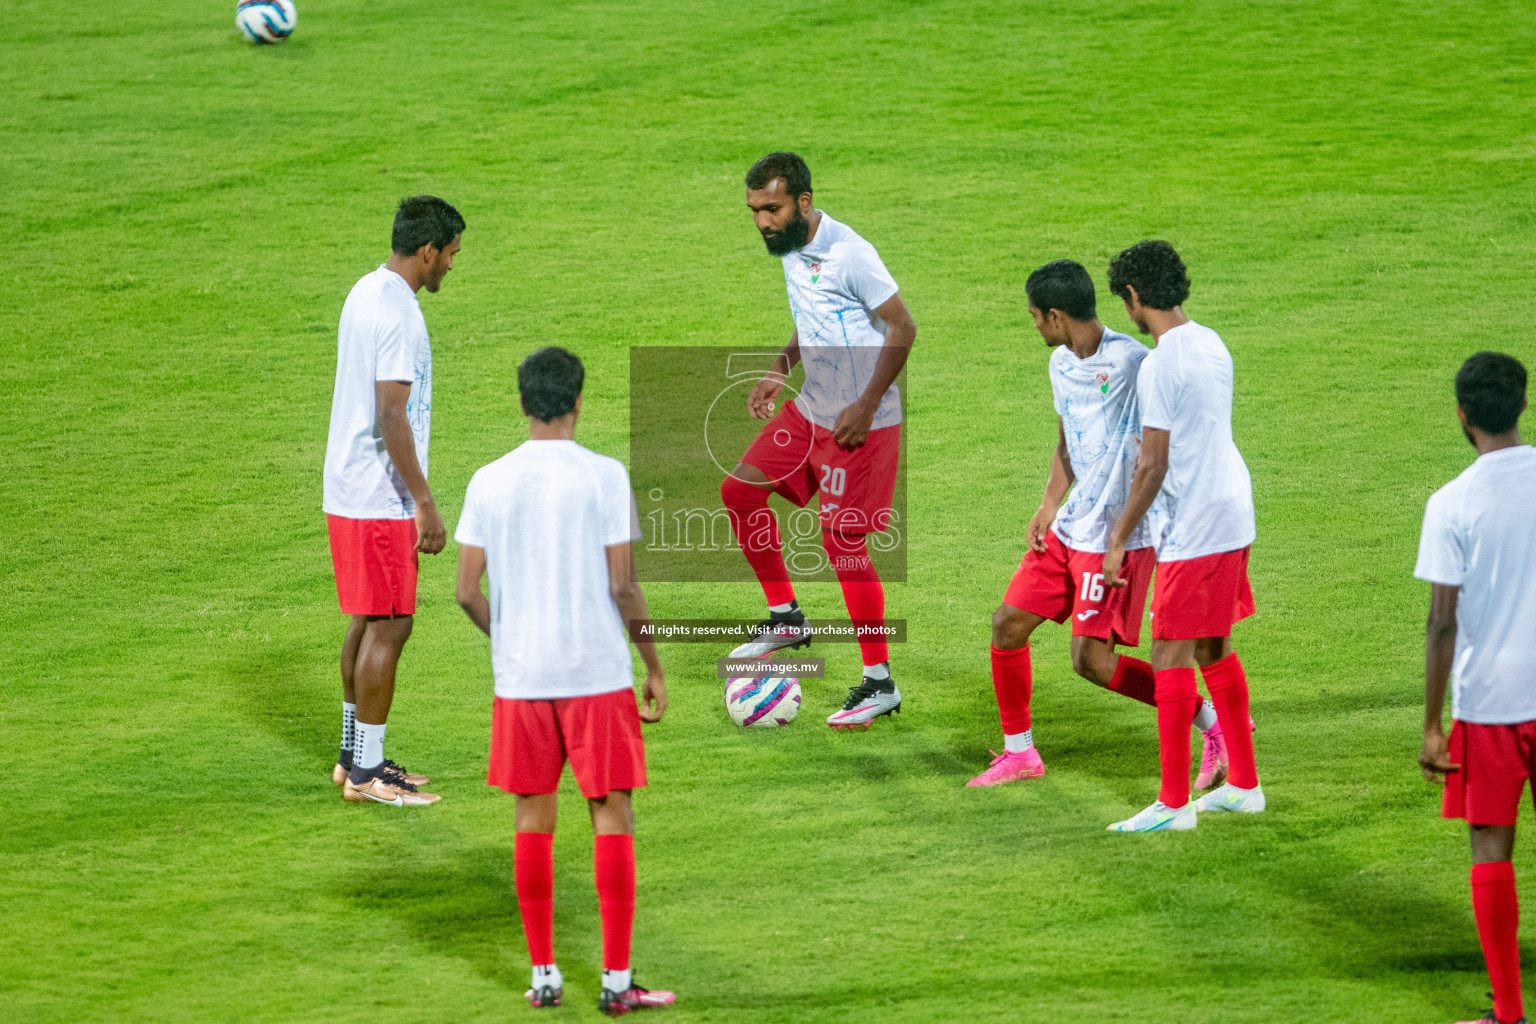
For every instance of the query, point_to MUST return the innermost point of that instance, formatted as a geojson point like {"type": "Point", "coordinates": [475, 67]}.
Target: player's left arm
{"type": "Point", "coordinates": [624, 587]}
{"type": "Point", "coordinates": [1439, 652]}
{"type": "Point", "coordinates": [1151, 467]}
{"type": "Point", "coordinates": [468, 593]}
{"type": "Point", "coordinates": [853, 424]}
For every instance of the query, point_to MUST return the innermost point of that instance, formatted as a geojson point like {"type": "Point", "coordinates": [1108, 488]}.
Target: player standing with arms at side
{"type": "Point", "coordinates": [1478, 550]}
{"type": "Point", "coordinates": [552, 524]}
{"type": "Point", "coordinates": [1202, 535]}
{"type": "Point", "coordinates": [1093, 386]}
{"type": "Point", "coordinates": [842, 435]}
{"type": "Point", "coordinates": [379, 511]}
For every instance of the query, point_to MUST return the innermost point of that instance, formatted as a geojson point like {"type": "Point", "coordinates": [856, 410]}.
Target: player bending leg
{"type": "Point", "coordinates": [1093, 386]}
{"type": "Point", "coordinates": [1478, 550]}
{"type": "Point", "coordinates": [379, 510]}
{"type": "Point", "coordinates": [841, 437]}
{"type": "Point", "coordinates": [1201, 533]}
{"type": "Point", "coordinates": [551, 523]}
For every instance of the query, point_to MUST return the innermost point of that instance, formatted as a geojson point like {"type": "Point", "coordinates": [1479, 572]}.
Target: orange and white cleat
{"type": "Point", "coordinates": [382, 786]}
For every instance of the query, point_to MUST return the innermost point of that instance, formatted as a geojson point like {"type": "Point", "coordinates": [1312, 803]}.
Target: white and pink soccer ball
{"type": "Point", "coordinates": [266, 21]}
{"type": "Point", "coordinates": [762, 702]}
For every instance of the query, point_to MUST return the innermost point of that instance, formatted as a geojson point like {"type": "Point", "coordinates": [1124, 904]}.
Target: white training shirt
{"type": "Point", "coordinates": [1096, 399]}
{"type": "Point", "coordinates": [544, 512]}
{"type": "Point", "coordinates": [835, 284]}
{"type": "Point", "coordinates": [382, 337]}
{"type": "Point", "coordinates": [1185, 388]}
{"type": "Point", "coordinates": [1480, 535]}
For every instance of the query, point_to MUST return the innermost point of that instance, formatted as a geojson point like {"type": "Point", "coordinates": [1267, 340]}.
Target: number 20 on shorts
{"type": "Point", "coordinates": [833, 481]}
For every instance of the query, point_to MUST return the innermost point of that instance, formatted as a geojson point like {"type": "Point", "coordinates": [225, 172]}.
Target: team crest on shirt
{"type": "Point", "coordinates": [1102, 380]}
{"type": "Point", "coordinates": [815, 272]}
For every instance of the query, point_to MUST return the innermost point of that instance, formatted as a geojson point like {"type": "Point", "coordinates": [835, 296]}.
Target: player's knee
{"type": "Point", "coordinates": [739, 494]}
{"type": "Point", "coordinates": [1088, 662]}
{"type": "Point", "coordinates": [1008, 627]}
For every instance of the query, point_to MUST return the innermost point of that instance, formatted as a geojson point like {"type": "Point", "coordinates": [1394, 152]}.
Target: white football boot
{"type": "Point", "coordinates": [1230, 798]}
{"type": "Point", "coordinates": [776, 633]}
{"type": "Point", "coordinates": [1159, 817]}
{"type": "Point", "coordinates": [866, 702]}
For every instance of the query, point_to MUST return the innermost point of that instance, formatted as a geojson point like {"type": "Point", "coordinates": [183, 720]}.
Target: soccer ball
{"type": "Point", "coordinates": [266, 21]}
{"type": "Point", "coordinates": [764, 701]}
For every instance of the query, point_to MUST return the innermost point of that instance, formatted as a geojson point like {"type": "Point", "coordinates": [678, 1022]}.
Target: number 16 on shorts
{"type": "Point", "coordinates": [1093, 587]}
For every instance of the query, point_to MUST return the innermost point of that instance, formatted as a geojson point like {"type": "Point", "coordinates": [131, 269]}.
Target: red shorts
{"type": "Point", "coordinates": [1495, 762]}
{"type": "Point", "coordinates": [1199, 597]}
{"type": "Point", "coordinates": [531, 740]}
{"type": "Point", "coordinates": [375, 563]}
{"type": "Point", "coordinates": [1063, 581]}
{"type": "Point", "coordinates": [856, 484]}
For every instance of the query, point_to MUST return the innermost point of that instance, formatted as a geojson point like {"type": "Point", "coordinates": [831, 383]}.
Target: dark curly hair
{"type": "Point", "coordinates": [1154, 270]}
{"type": "Point", "coordinates": [1490, 388]}
{"type": "Point", "coordinates": [789, 166]}
{"type": "Point", "coordinates": [424, 220]}
{"type": "Point", "coordinates": [1063, 285]}
{"type": "Point", "coordinates": [548, 382]}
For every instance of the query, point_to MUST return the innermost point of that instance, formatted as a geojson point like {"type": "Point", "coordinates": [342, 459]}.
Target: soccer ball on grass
{"type": "Point", "coordinates": [764, 701]}
{"type": "Point", "coordinates": [266, 21]}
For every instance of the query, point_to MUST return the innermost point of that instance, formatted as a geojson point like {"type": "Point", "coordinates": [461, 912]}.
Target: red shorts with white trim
{"type": "Point", "coordinates": [1495, 762]}
{"type": "Point", "coordinates": [375, 563]}
{"type": "Point", "coordinates": [856, 484]}
{"type": "Point", "coordinates": [1194, 598]}
{"type": "Point", "coordinates": [1064, 581]}
{"type": "Point", "coordinates": [600, 735]}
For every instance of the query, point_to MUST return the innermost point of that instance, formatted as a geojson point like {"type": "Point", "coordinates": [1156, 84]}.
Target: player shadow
{"type": "Point", "coordinates": [463, 905]}
{"type": "Point", "coordinates": [272, 687]}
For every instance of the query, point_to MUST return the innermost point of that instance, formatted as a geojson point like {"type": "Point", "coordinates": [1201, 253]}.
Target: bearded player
{"type": "Point", "coordinates": [1093, 386]}
{"type": "Point", "coordinates": [840, 437]}
{"type": "Point", "coordinates": [1478, 550]}
{"type": "Point", "coordinates": [1202, 537]}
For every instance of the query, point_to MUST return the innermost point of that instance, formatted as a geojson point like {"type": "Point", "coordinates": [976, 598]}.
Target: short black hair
{"type": "Point", "coordinates": [1154, 270]}
{"type": "Point", "coordinates": [549, 381]}
{"type": "Point", "coordinates": [424, 220]}
{"type": "Point", "coordinates": [1063, 285]}
{"type": "Point", "coordinates": [1490, 388]}
{"type": "Point", "coordinates": [789, 166]}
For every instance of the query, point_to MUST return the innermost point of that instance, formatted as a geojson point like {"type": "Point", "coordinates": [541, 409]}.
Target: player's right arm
{"type": "Point", "coordinates": [1057, 484]}
{"type": "Point", "coordinates": [467, 592]}
{"type": "Point", "coordinates": [1439, 652]}
{"type": "Point", "coordinates": [625, 590]}
{"type": "Point", "coordinates": [1151, 467]}
{"type": "Point", "coordinates": [760, 402]}
{"type": "Point", "coordinates": [390, 397]}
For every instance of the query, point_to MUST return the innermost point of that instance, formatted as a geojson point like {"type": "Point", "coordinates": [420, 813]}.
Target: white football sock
{"type": "Point", "coordinates": [880, 671]}
{"type": "Point", "coordinates": [1018, 742]}
{"type": "Point", "coordinates": [370, 745]}
{"type": "Point", "coordinates": [348, 725]}
{"type": "Point", "coordinates": [780, 609]}
{"type": "Point", "coordinates": [547, 974]}
{"type": "Point", "coordinates": [616, 981]}
{"type": "Point", "coordinates": [1205, 718]}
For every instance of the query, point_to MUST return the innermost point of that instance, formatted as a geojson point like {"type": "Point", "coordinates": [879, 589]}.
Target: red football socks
{"type": "Point", "coordinates": [1134, 678]}
{"type": "Point", "coordinates": [757, 531]}
{"type": "Point", "coordinates": [1178, 698]}
{"type": "Point", "coordinates": [1012, 682]}
{"type": "Point", "coordinates": [862, 592]}
{"type": "Point", "coordinates": [613, 864]}
{"type": "Point", "coordinates": [533, 872]}
{"type": "Point", "coordinates": [1228, 686]}
{"type": "Point", "coordinates": [1497, 910]}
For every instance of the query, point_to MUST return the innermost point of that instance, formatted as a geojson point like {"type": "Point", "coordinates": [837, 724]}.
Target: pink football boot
{"type": "Point", "coordinates": [1006, 767]}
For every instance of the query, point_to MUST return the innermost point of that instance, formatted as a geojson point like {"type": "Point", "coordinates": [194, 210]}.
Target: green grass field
{"type": "Point", "coordinates": [1350, 184]}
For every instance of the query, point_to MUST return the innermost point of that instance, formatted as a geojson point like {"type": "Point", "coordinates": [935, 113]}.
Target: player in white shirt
{"type": "Point", "coordinates": [552, 523]}
{"type": "Point", "coordinates": [379, 510]}
{"type": "Point", "coordinates": [1093, 386]}
{"type": "Point", "coordinates": [841, 437]}
{"type": "Point", "coordinates": [1478, 550]}
{"type": "Point", "coordinates": [1202, 533]}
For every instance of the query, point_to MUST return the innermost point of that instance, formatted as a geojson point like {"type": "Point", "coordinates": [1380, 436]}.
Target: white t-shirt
{"type": "Point", "coordinates": [544, 512]}
{"type": "Point", "coordinates": [835, 284]}
{"type": "Point", "coordinates": [1096, 399]}
{"type": "Point", "coordinates": [1185, 388]}
{"type": "Point", "coordinates": [382, 337]}
{"type": "Point", "coordinates": [1480, 535]}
